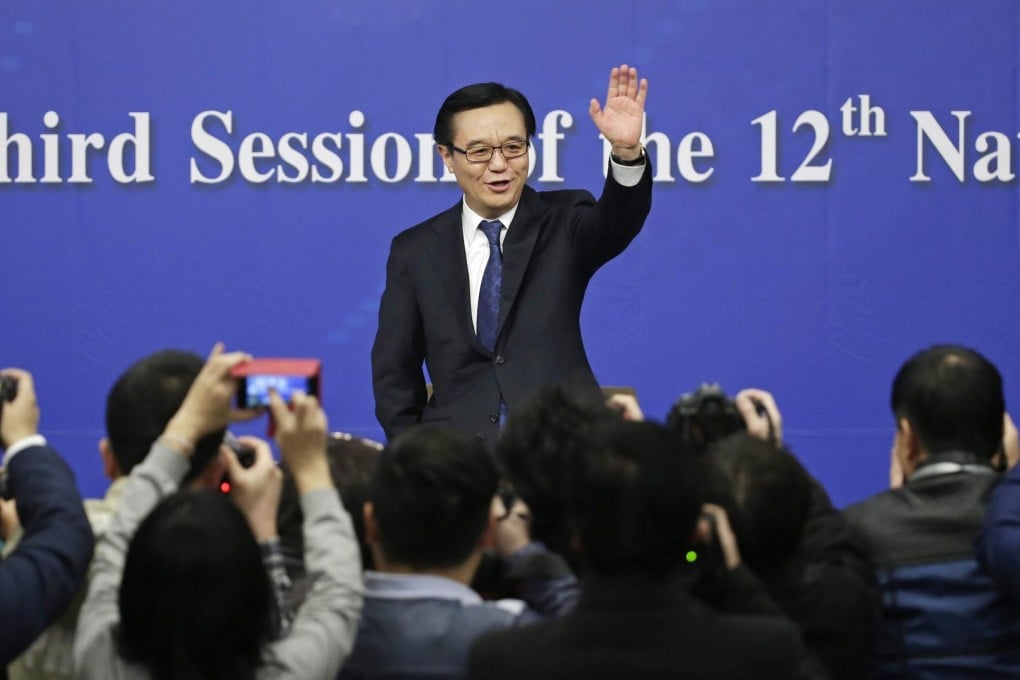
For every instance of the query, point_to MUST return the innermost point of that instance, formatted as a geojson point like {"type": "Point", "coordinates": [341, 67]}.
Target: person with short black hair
{"type": "Point", "coordinates": [532, 450]}
{"type": "Point", "coordinates": [182, 593]}
{"type": "Point", "coordinates": [488, 293]}
{"type": "Point", "coordinates": [635, 503]}
{"type": "Point", "coordinates": [802, 550]}
{"type": "Point", "coordinates": [432, 512]}
{"type": "Point", "coordinates": [942, 615]}
{"type": "Point", "coordinates": [139, 405]}
{"type": "Point", "coordinates": [352, 462]}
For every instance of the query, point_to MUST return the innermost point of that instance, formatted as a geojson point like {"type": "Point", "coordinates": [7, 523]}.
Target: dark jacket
{"type": "Point", "coordinates": [828, 589]}
{"type": "Point", "coordinates": [44, 573]}
{"type": "Point", "coordinates": [556, 242]}
{"type": "Point", "coordinates": [998, 547]}
{"type": "Point", "coordinates": [942, 616]}
{"type": "Point", "coordinates": [641, 628]}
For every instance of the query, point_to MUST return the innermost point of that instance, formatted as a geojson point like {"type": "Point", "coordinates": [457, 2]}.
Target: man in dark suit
{"type": "Point", "coordinates": [488, 293]}
{"type": "Point", "coordinates": [43, 574]}
{"type": "Point", "coordinates": [634, 502]}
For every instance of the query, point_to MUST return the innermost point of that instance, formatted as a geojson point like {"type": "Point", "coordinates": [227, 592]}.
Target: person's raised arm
{"type": "Point", "coordinates": [322, 633]}
{"type": "Point", "coordinates": [205, 409]}
{"type": "Point", "coordinates": [43, 574]}
{"type": "Point", "coordinates": [602, 230]}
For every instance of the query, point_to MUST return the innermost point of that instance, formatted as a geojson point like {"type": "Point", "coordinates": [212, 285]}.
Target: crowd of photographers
{"type": "Point", "coordinates": [592, 543]}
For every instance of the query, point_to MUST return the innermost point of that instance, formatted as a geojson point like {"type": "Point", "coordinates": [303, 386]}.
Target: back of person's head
{"type": "Point", "coordinates": [540, 436]}
{"type": "Point", "coordinates": [431, 498]}
{"type": "Point", "coordinates": [633, 500]}
{"type": "Point", "coordinates": [143, 400]}
{"type": "Point", "coordinates": [352, 462]}
{"type": "Point", "coordinates": [772, 491]}
{"type": "Point", "coordinates": [953, 398]}
{"type": "Point", "coordinates": [477, 96]}
{"type": "Point", "coordinates": [195, 600]}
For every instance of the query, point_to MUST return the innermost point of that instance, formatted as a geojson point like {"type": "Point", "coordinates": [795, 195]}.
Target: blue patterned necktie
{"type": "Point", "coordinates": [488, 300]}
{"type": "Point", "coordinates": [492, 286]}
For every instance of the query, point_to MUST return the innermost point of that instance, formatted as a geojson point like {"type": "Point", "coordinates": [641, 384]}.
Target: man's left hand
{"type": "Point", "coordinates": [621, 118]}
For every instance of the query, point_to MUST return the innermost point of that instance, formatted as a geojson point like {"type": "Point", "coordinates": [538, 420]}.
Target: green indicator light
{"type": "Point", "coordinates": [691, 556]}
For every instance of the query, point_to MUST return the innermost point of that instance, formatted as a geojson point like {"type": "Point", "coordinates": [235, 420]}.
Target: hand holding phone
{"type": "Point", "coordinates": [286, 376]}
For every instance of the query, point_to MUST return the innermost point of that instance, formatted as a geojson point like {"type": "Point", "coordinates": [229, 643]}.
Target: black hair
{"type": "Point", "coordinates": [953, 398]}
{"type": "Point", "coordinates": [352, 464]}
{"type": "Point", "coordinates": [144, 399]}
{"type": "Point", "coordinates": [542, 433]}
{"type": "Point", "coordinates": [432, 496]}
{"type": "Point", "coordinates": [478, 96]}
{"type": "Point", "coordinates": [195, 600]}
{"type": "Point", "coordinates": [633, 500]}
{"type": "Point", "coordinates": [772, 492]}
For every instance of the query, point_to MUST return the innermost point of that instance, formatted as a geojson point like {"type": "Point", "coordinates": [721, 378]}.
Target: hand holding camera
{"type": "Point", "coordinates": [206, 408]}
{"type": "Point", "coordinates": [715, 531]}
{"type": "Point", "coordinates": [19, 417]}
{"type": "Point", "coordinates": [761, 415]}
{"type": "Point", "coordinates": [513, 525]}
{"type": "Point", "coordinates": [256, 488]}
{"type": "Point", "coordinates": [707, 415]}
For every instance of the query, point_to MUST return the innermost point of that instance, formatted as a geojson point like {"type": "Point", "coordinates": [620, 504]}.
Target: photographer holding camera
{"type": "Point", "coordinates": [41, 576]}
{"type": "Point", "coordinates": [178, 587]}
{"type": "Point", "coordinates": [798, 545]}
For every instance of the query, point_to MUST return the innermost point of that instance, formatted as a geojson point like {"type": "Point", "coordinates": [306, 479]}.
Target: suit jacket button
{"type": "Point", "coordinates": [500, 360]}
{"type": "Point", "coordinates": [493, 417]}
{"type": "Point", "coordinates": [478, 436]}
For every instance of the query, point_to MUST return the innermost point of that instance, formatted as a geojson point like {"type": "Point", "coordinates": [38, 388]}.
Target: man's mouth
{"type": "Point", "coordinates": [499, 186]}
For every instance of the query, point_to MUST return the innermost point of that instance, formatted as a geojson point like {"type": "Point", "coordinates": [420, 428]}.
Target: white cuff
{"type": "Point", "coordinates": [21, 445]}
{"type": "Point", "coordinates": [627, 175]}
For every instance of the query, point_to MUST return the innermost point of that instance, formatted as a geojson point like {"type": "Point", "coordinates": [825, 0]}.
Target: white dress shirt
{"type": "Point", "coordinates": [476, 245]}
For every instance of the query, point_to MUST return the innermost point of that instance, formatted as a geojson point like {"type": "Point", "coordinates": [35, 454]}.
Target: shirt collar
{"type": "Point", "coordinates": [469, 221]}
{"type": "Point", "coordinates": [417, 586]}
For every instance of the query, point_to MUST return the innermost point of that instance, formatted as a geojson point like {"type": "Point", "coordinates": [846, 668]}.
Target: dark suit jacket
{"type": "Point", "coordinates": [635, 630]}
{"type": "Point", "coordinates": [556, 242]}
{"type": "Point", "coordinates": [47, 568]}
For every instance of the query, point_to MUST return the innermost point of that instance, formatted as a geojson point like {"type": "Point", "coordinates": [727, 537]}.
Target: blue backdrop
{"type": "Point", "coordinates": [197, 217]}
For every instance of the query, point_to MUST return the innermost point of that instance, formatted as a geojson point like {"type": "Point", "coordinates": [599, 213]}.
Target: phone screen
{"type": "Point", "coordinates": [253, 391]}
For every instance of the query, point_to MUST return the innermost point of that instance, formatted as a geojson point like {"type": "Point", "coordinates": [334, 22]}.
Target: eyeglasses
{"type": "Point", "coordinates": [483, 154]}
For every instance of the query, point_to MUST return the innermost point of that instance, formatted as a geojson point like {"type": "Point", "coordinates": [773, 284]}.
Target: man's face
{"type": "Point", "coordinates": [493, 187]}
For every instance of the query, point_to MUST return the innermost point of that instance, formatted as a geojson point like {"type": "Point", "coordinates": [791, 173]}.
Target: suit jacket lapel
{"type": "Point", "coordinates": [517, 248]}
{"type": "Point", "coordinates": [446, 251]}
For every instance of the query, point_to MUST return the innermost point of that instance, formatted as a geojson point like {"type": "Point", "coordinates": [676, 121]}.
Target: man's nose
{"type": "Point", "coordinates": [497, 161]}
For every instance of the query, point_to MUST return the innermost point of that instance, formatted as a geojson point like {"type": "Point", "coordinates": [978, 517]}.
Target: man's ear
{"type": "Point", "coordinates": [110, 467]}
{"type": "Point", "coordinates": [908, 446]}
{"type": "Point", "coordinates": [446, 155]}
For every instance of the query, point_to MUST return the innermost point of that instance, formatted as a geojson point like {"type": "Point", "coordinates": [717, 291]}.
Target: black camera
{"type": "Point", "coordinates": [245, 454]}
{"type": "Point", "coordinates": [705, 416]}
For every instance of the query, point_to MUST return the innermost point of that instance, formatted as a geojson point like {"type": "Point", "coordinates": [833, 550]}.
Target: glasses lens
{"type": "Point", "coordinates": [479, 154]}
{"type": "Point", "coordinates": [514, 149]}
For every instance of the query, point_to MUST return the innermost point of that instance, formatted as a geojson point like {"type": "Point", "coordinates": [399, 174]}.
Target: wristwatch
{"type": "Point", "coordinates": [640, 160]}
